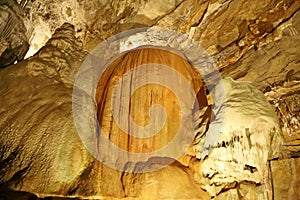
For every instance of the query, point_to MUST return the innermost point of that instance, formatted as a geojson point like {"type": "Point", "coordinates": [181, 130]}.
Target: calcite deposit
{"type": "Point", "coordinates": [254, 45]}
{"type": "Point", "coordinates": [250, 138]}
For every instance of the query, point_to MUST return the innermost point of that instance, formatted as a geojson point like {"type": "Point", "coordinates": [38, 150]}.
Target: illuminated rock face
{"type": "Point", "coordinates": [148, 84]}
{"type": "Point", "coordinates": [42, 153]}
{"type": "Point", "coordinates": [254, 41]}
{"type": "Point", "coordinates": [250, 137]}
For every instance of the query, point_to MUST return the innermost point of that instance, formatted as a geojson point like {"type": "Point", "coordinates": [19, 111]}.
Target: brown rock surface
{"type": "Point", "coordinates": [14, 36]}
{"type": "Point", "coordinates": [43, 95]}
{"type": "Point", "coordinates": [255, 41]}
{"type": "Point", "coordinates": [120, 132]}
{"type": "Point", "coordinates": [171, 182]}
{"type": "Point", "coordinates": [40, 89]}
{"type": "Point", "coordinates": [286, 183]}
{"type": "Point", "coordinates": [250, 137]}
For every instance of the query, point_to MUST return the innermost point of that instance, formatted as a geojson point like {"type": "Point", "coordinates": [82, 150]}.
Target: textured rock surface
{"type": "Point", "coordinates": [286, 184]}
{"type": "Point", "coordinates": [286, 100]}
{"type": "Point", "coordinates": [172, 182]}
{"type": "Point", "coordinates": [250, 137]}
{"type": "Point", "coordinates": [43, 95]}
{"type": "Point", "coordinates": [94, 20]}
{"type": "Point", "coordinates": [14, 36]}
{"type": "Point", "coordinates": [256, 41]}
{"type": "Point", "coordinates": [177, 106]}
{"type": "Point", "coordinates": [274, 68]}
{"type": "Point", "coordinates": [37, 88]}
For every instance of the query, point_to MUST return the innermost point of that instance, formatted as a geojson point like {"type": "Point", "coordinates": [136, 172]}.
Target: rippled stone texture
{"type": "Point", "coordinates": [14, 37]}
{"type": "Point", "coordinates": [41, 152]}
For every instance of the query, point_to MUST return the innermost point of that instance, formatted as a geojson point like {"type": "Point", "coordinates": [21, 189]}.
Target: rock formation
{"type": "Point", "coordinates": [250, 137]}
{"type": "Point", "coordinates": [255, 156]}
{"type": "Point", "coordinates": [177, 107]}
{"type": "Point", "coordinates": [14, 36]}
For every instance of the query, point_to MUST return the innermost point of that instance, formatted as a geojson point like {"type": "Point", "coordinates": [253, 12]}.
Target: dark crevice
{"type": "Point", "coordinates": [250, 168]}
{"type": "Point", "coordinates": [163, 16]}
{"type": "Point", "coordinates": [201, 19]}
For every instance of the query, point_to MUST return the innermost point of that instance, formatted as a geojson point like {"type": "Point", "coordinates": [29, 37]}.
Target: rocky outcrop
{"type": "Point", "coordinates": [251, 136]}
{"type": "Point", "coordinates": [38, 116]}
{"type": "Point", "coordinates": [14, 36]}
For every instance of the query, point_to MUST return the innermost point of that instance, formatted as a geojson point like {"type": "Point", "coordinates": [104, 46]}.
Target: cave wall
{"type": "Point", "coordinates": [255, 41]}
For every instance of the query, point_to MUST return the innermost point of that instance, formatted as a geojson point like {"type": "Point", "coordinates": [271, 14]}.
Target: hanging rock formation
{"type": "Point", "coordinates": [149, 63]}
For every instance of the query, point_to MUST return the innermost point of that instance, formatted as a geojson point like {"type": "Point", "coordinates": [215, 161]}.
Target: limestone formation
{"type": "Point", "coordinates": [176, 103]}
{"type": "Point", "coordinates": [250, 137]}
{"type": "Point", "coordinates": [43, 95]}
{"type": "Point", "coordinates": [256, 156]}
{"type": "Point", "coordinates": [14, 36]}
